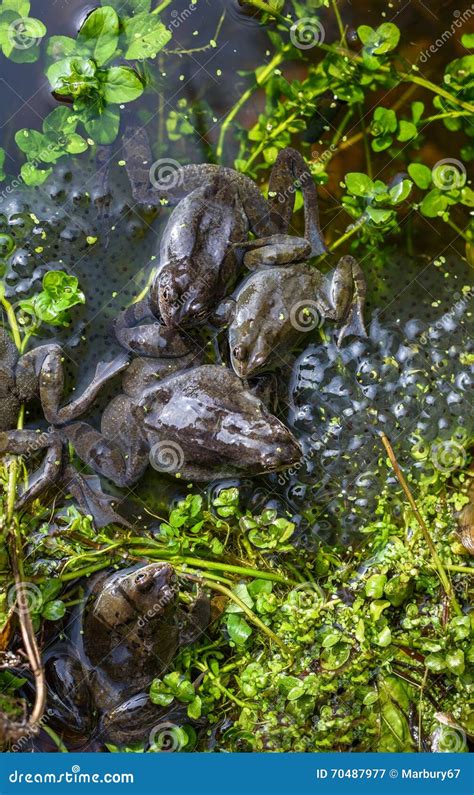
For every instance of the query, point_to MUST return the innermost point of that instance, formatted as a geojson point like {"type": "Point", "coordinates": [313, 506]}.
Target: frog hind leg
{"type": "Point", "coordinates": [291, 173]}
{"type": "Point", "coordinates": [43, 366]}
{"type": "Point", "coordinates": [69, 703]}
{"type": "Point", "coordinates": [138, 720]}
{"type": "Point", "coordinates": [26, 443]}
{"type": "Point", "coordinates": [347, 298]}
{"type": "Point", "coordinates": [111, 453]}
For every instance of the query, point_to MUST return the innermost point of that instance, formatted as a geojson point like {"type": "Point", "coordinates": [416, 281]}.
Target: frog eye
{"type": "Point", "coordinates": [239, 353]}
{"type": "Point", "coordinates": [143, 581]}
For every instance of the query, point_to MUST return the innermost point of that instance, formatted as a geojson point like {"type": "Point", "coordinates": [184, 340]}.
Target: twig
{"type": "Point", "coordinates": [424, 529]}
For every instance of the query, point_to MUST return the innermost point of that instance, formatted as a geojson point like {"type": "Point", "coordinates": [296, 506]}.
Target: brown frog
{"type": "Point", "coordinates": [126, 632]}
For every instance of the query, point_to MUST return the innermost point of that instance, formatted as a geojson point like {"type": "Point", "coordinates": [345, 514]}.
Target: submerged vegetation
{"type": "Point", "coordinates": [312, 646]}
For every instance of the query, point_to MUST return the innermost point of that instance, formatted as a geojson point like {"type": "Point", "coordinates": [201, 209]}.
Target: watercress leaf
{"type": "Point", "coordinates": [385, 121]}
{"type": "Point", "coordinates": [335, 656]}
{"type": "Point", "coordinates": [60, 120]}
{"type": "Point", "coordinates": [379, 216]}
{"type": "Point", "coordinates": [417, 109]}
{"type": "Point", "coordinates": [60, 47]}
{"type": "Point", "coordinates": [145, 35]}
{"type": "Point", "coordinates": [389, 35]}
{"type": "Point", "coordinates": [75, 144]}
{"type": "Point", "coordinates": [467, 41]}
{"type": "Point", "coordinates": [365, 33]}
{"type": "Point", "coordinates": [33, 176]}
{"type": "Point", "coordinates": [21, 6]}
{"type": "Point", "coordinates": [124, 7]}
{"type": "Point", "coordinates": [162, 699]}
{"type": "Point", "coordinates": [53, 610]}
{"type": "Point", "coordinates": [258, 587]}
{"type": "Point", "coordinates": [238, 629]}
{"type": "Point", "coordinates": [104, 128]}
{"type": "Point", "coordinates": [242, 593]}
{"type": "Point", "coordinates": [29, 141]}
{"type": "Point", "coordinates": [420, 174]}
{"type": "Point", "coordinates": [51, 589]}
{"type": "Point", "coordinates": [195, 708]}
{"type": "Point", "coordinates": [375, 585]}
{"type": "Point", "coordinates": [467, 196]}
{"type": "Point", "coordinates": [381, 143]}
{"type": "Point", "coordinates": [121, 84]}
{"type": "Point", "coordinates": [434, 203]}
{"type": "Point", "coordinates": [359, 184]}
{"type": "Point", "coordinates": [399, 192]}
{"type": "Point", "coordinates": [99, 34]}
{"type": "Point", "coordinates": [407, 131]}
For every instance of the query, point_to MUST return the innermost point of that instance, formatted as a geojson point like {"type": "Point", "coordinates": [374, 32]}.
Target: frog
{"type": "Point", "coordinates": [125, 633]}
{"type": "Point", "coordinates": [39, 373]}
{"type": "Point", "coordinates": [281, 299]}
{"type": "Point", "coordinates": [216, 208]}
{"type": "Point", "coordinates": [200, 424]}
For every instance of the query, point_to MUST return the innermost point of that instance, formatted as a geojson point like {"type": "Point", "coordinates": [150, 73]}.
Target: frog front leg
{"type": "Point", "coordinates": [346, 289]}
{"type": "Point", "coordinates": [41, 369]}
{"type": "Point", "coordinates": [138, 330]}
{"type": "Point", "coordinates": [26, 443]}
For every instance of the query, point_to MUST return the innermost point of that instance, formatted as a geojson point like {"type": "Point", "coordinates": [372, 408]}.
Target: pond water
{"type": "Point", "coordinates": [408, 378]}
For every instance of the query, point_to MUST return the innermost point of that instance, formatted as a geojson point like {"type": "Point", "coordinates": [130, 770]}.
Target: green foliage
{"type": "Point", "coordinates": [374, 204]}
{"type": "Point", "coordinates": [79, 72]}
{"type": "Point", "coordinates": [59, 294]}
{"type": "Point", "coordinates": [58, 138]}
{"type": "Point", "coordinates": [20, 34]}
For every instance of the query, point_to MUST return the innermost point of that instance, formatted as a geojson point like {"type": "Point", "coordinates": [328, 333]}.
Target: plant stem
{"type": "Point", "coordinates": [161, 7]}
{"type": "Point", "coordinates": [12, 321]}
{"type": "Point", "coordinates": [353, 228]}
{"type": "Point", "coordinates": [460, 569]}
{"type": "Point", "coordinates": [342, 30]}
{"type": "Point", "coordinates": [366, 142]}
{"type": "Point", "coordinates": [217, 566]}
{"type": "Point", "coordinates": [424, 529]}
{"type": "Point", "coordinates": [264, 75]}
{"type": "Point", "coordinates": [456, 228]}
{"type": "Point", "coordinates": [248, 612]}
{"type": "Point", "coordinates": [262, 6]}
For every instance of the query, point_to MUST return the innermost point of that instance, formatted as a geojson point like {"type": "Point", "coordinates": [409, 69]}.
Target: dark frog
{"type": "Point", "coordinates": [127, 632]}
